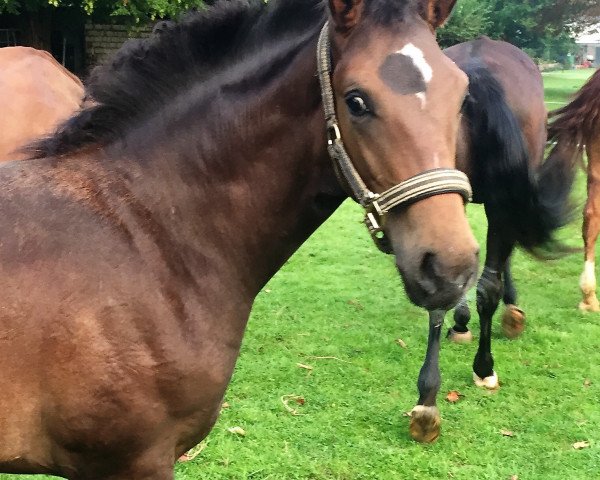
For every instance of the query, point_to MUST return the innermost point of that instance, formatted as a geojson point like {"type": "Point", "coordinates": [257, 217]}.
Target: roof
{"type": "Point", "coordinates": [589, 35]}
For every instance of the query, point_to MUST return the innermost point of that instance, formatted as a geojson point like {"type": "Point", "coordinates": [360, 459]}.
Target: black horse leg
{"type": "Point", "coordinates": [425, 417]}
{"type": "Point", "coordinates": [460, 332]}
{"type": "Point", "coordinates": [513, 319]}
{"type": "Point", "coordinates": [489, 292]}
{"type": "Point", "coordinates": [510, 292]}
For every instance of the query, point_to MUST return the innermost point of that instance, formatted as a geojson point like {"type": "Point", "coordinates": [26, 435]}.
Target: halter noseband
{"type": "Point", "coordinates": [377, 205]}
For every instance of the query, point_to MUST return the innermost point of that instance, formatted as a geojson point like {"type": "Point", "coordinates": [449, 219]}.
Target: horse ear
{"type": "Point", "coordinates": [436, 12]}
{"type": "Point", "coordinates": [345, 14]}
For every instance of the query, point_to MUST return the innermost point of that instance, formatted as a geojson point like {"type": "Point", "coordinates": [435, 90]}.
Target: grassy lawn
{"type": "Point", "coordinates": [559, 85]}
{"type": "Point", "coordinates": [338, 308]}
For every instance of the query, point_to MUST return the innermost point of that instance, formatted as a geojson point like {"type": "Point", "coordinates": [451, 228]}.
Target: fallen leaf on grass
{"type": "Point", "coordinates": [507, 433]}
{"type": "Point", "coordinates": [225, 405]}
{"type": "Point", "coordinates": [356, 304]}
{"type": "Point", "coordinates": [581, 445]}
{"type": "Point", "coordinates": [194, 452]}
{"type": "Point", "coordinates": [305, 367]}
{"type": "Point", "coordinates": [295, 398]}
{"type": "Point", "coordinates": [237, 431]}
{"type": "Point", "coordinates": [587, 382]}
{"type": "Point", "coordinates": [514, 477]}
{"type": "Point", "coordinates": [401, 342]}
{"type": "Point", "coordinates": [453, 396]}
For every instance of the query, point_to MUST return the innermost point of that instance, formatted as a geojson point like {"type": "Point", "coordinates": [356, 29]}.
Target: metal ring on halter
{"type": "Point", "coordinates": [377, 205]}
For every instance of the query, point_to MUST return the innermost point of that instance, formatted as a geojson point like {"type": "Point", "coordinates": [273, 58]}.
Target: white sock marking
{"type": "Point", "coordinates": [491, 382]}
{"type": "Point", "coordinates": [588, 277]}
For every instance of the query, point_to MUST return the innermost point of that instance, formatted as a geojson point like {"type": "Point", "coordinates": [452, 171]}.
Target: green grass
{"type": "Point", "coordinates": [338, 297]}
{"type": "Point", "coordinates": [558, 86]}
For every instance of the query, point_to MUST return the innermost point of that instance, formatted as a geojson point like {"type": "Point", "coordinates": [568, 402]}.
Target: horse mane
{"type": "Point", "coordinates": [146, 74]}
{"type": "Point", "coordinates": [578, 122]}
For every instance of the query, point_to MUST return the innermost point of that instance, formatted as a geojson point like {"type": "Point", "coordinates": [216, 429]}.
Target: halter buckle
{"type": "Point", "coordinates": [333, 133]}
{"type": "Point", "coordinates": [374, 220]}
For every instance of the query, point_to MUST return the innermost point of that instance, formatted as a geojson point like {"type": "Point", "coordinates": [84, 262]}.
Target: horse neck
{"type": "Point", "coordinates": [261, 185]}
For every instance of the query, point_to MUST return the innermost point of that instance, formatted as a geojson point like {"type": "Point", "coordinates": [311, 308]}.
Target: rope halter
{"type": "Point", "coordinates": [377, 205]}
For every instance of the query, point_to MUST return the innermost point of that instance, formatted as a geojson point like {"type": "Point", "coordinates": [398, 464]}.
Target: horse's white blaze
{"type": "Point", "coordinates": [436, 160]}
{"type": "Point", "coordinates": [588, 277]}
{"type": "Point", "coordinates": [418, 59]}
{"type": "Point", "coordinates": [491, 382]}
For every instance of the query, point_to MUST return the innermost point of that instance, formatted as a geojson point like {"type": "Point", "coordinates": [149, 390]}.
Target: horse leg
{"type": "Point", "coordinates": [460, 332]}
{"type": "Point", "coordinates": [513, 320]}
{"type": "Point", "coordinates": [591, 227]}
{"type": "Point", "coordinates": [425, 417]}
{"type": "Point", "coordinates": [489, 292]}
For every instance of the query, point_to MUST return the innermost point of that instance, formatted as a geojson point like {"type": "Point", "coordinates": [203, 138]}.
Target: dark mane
{"type": "Point", "coordinates": [579, 121]}
{"type": "Point", "coordinates": [146, 74]}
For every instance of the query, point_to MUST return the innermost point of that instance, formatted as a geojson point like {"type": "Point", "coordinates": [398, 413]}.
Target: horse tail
{"type": "Point", "coordinates": [578, 123]}
{"type": "Point", "coordinates": [528, 205]}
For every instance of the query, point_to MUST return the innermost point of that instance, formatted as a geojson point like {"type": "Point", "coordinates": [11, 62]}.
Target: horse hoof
{"type": "Point", "coordinates": [489, 383]}
{"type": "Point", "coordinates": [513, 321]}
{"type": "Point", "coordinates": [589, 305]}
{"type": "Point", "coordinates": [425, 424]}
{"type": "Point", "coordinates": [460, 337]}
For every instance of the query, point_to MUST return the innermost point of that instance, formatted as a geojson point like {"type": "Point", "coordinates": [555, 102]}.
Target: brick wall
{"type": "Point", "coordinates": [101, 41]}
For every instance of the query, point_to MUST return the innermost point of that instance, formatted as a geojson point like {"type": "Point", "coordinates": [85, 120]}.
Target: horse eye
{"type": "Point", "coordinates": [357, 104]}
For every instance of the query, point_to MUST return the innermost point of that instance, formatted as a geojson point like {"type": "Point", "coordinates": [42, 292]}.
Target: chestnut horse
{"type": "Point", "coordinates": [500, 147]}
{"type": "Point", "coordinates": [36, 93]}
{"type": "Point", "coordinates": [136, 238]}
{"type": "Point", "coordinates": [576, 128]}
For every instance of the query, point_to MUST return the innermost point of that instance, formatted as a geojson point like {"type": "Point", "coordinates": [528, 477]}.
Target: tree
{"type": "Point", "coordinates": [470, 19]}
{"type": "Point", "coordinates": [135, 10]}
{"type": "Point", "coordinates": [35, 18]}
{"type": "Point", "coordinates": [543, 28]}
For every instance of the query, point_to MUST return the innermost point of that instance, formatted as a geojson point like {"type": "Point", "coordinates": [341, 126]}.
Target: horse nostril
{"type": "Point", "coordinates": [429, 275]}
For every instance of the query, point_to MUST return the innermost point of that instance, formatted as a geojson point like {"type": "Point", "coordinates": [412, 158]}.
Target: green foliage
{"type": "Point", "coordinates": [543, 28]}
{"type": "Point", "coordinates": [137, 10]}
{"type": "Point", "coordinates": [471, 19]}
{"type": "Point", "coordinates": [153, 9]}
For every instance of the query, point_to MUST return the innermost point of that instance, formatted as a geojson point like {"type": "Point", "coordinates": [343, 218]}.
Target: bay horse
{"type": "Point", "coordinates": [36, 93]}
{"type": "Point", "coordinates": [576, 128]}
{"type": "Point", "coordinates": [503, 134]}
{"type": "Point", "coordinates": [135, 239]}
{"type": "Point", "coordinates": [501, 146]}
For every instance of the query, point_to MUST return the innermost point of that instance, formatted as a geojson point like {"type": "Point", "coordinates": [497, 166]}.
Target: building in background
{"type": "Point", "coordinates": [589, 46]}
{"type": "Point", "coordinates": [102, 40]}
{"type": "Point", "coordinates": [76, 41]}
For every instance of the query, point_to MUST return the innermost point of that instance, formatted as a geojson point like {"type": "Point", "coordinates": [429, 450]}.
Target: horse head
{"type": "Point", "coordinates": [398, 100]}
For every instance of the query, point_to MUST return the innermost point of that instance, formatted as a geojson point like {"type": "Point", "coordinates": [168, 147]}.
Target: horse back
{"type": "Point", "coordinates": [520, 80]}
{"type": "Point", "coordinates": [36, 94]}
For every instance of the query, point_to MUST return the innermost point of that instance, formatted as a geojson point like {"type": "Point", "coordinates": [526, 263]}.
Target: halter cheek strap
{"type": "Point", "coordinates": [377, 205]}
